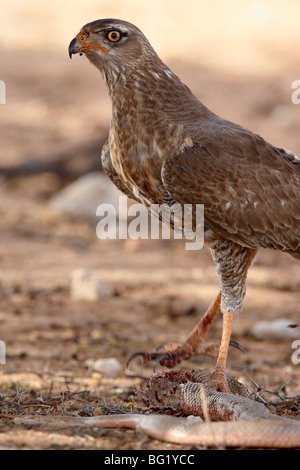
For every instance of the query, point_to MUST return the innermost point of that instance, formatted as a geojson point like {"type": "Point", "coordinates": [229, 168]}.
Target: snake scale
{"type": "Point", "coordinates": [245, 422]}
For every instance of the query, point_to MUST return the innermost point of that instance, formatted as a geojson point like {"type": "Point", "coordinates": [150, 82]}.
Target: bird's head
{"type": "Point", "coordinates": [111, 43]}
{"type": "Point", "coordinates": [124, 55]}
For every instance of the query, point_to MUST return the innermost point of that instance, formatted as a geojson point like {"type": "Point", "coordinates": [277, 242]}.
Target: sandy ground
{"type": "Point", "coordinates": [54, 105]}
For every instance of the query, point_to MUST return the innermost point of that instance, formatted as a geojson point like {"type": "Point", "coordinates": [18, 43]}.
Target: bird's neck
{"type": "Point", "coordinates": [149, 89]}
{"type": "Point", "coordinates": [147, 76]}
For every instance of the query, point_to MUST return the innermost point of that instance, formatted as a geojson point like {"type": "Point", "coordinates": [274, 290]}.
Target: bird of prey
{"type": "Point", "coordinates": [165, 146]}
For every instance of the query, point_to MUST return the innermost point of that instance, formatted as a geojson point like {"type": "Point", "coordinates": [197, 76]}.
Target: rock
{"type": "Point", "coordinates": [109, 366]}
{"type": "Point", "coordinates": [82, 197]}
{"type": "Point", "coordinates": [86, 286]}
{"type": "Point", "coordinates": [194, 419]}
{"type": "Point", "coordinates": [275, 329]}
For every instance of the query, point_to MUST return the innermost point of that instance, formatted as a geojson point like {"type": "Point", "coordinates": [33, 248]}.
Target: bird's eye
{"type": "Point", "coordinates": [114, 36]}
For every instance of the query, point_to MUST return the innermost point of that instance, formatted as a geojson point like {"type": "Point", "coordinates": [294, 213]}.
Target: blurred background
{"type": "Point", "coordinates": [238, 57]}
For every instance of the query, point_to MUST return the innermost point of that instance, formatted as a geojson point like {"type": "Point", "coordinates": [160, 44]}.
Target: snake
{"type": "Point", "coordinates": [242, 421]}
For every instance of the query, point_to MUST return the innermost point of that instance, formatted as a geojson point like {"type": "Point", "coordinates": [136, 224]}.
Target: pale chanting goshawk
{"type": "Point", "coordinates": [165, 146]}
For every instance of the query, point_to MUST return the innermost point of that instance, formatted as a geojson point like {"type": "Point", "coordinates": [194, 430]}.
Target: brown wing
{"type": "Point", "coordinates": [250, 191]}
{"type": "Point", "coordinates": [111, 172]}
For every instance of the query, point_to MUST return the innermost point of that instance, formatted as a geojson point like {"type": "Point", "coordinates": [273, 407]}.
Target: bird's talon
{"type": "Point", "coordinates": [167, 359]}
{"type": "Point", "coordinates": [237, 345]}
{"type": "Point", "coordinates": [133, 356]}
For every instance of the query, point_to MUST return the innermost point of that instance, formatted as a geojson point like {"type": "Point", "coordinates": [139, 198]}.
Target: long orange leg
{"type": "Point", "coordinates": [174, 353]}
{"type": "Point", "coordinates": [218, 379]}
{"type": "Point", "coordinates": [197, 335]}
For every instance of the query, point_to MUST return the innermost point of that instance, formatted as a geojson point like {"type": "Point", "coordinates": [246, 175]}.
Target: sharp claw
{"type": "Point", "coordinates": [236, 345]}
{"type": "Point", "coordinates": [133, 356]}
{"type": "Point", "coordinates": [156, 357]}
{"type": "Point", "coordinates": [168, 359]}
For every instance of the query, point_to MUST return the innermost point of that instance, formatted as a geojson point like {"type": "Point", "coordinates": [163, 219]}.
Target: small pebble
{"type": "Point", "coordinates": [86, 286]}
{"type": "Point", "coordinates": [194, 418]}
{"type": "Point", "coordinates": [106, 366]}
{"type": "Point", "coordinates": [275, 329]}
{"type": "Point", "coordinates": [81, 198]}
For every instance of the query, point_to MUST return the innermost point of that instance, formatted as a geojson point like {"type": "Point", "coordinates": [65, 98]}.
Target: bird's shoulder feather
{"type": "Point", "coordinates": [250, 189]}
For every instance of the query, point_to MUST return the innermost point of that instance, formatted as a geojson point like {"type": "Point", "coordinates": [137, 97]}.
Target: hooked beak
{"type": "Point", "coordinates": [79, 45]}
{"type": "Point", "coordinates": [74, 47]}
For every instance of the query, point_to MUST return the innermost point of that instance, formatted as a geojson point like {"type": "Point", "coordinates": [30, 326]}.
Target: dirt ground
{"type": "Point", "coordinates": [161, 289]}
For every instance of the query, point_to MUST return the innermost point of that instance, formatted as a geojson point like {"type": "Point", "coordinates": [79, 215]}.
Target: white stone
{"type": "Point", "coordinates": [275, 329]}
{"type": "Point", "coordinates": [86, 286]}
{"type": "Point", "coordinates": [107, 366]}
{"type": "Point", "coordinates": [82, 197]}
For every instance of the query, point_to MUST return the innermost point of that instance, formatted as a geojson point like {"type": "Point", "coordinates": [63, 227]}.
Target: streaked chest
{"type": "Point", "coordinates": [138, 153]}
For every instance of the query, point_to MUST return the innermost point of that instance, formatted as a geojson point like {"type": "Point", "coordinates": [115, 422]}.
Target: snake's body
{"type": "Point", "coordinates": [248, 423]}
{"type": "Point", "coordinates": [281, 433]}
